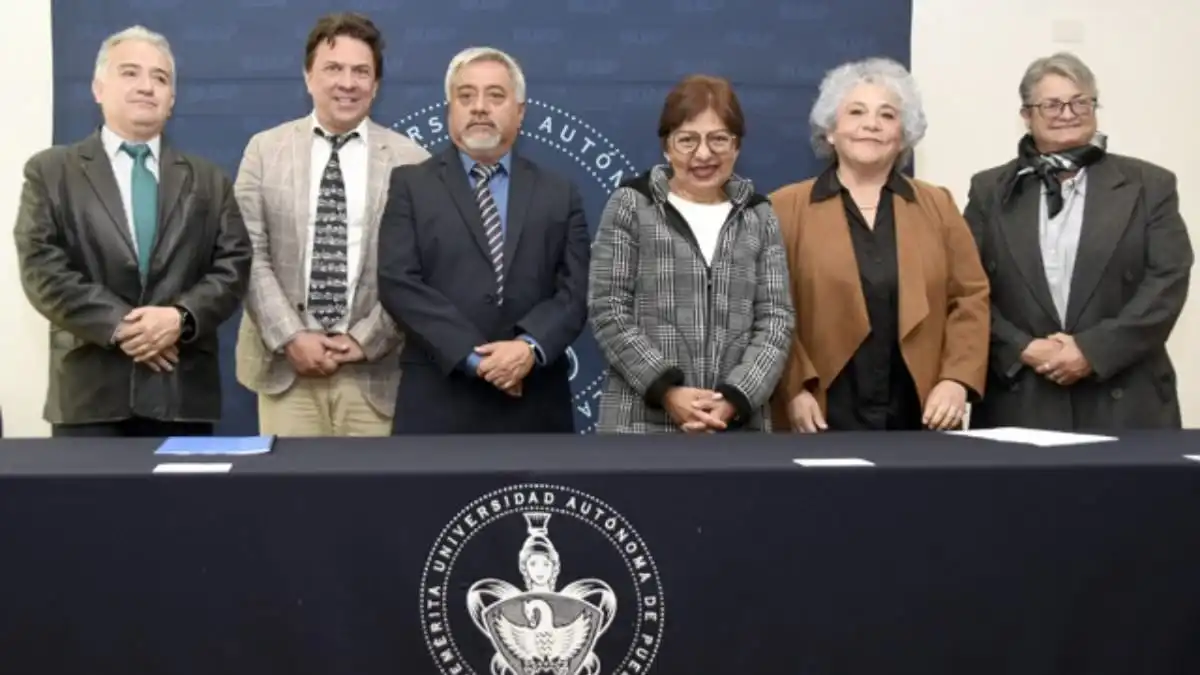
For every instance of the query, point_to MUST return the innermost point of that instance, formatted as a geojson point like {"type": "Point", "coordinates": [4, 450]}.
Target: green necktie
{"type": "Point", "coordinates": [144, 197]}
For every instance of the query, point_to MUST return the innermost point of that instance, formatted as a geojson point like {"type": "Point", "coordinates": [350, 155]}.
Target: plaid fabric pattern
{"type": "Point", "coordinates": [651, 308]}
{"type": "Point", "coordinates": [272, 193]}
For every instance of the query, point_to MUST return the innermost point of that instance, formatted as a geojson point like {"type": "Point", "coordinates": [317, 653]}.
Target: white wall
{"type": "Point", "coordinates": [967, 54]}
{"type": "Point", "coordinates": [28, 115]}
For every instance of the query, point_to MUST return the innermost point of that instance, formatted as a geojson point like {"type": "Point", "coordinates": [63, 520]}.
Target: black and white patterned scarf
{"type": "Point", "coordinates": [1049, 166]}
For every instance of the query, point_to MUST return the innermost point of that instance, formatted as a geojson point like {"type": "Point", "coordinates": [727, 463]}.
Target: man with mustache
{"type": "Point", "coordinates": [136, 253]}
{"type": "Point", "coordinates": [314, 342]}
{"type": "Point", "coordinates": [483, 260]}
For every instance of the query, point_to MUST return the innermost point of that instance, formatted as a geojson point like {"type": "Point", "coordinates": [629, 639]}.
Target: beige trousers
{"type": "Point", "coordinates": [321, 406]}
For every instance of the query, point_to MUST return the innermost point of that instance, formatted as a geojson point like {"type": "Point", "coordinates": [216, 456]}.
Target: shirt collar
{"type": "Point", "coordinates": [361, 128]}
{"type": "Point", "coordinates": [112, 143]}
{"type": "Point", "coordinates": [468, 163]}
{"type": "Point", "coordinates": [827, 185]}
{"type": "Point", "coordinates": [1076, 183]}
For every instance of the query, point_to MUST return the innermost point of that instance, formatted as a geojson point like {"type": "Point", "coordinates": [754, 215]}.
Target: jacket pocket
{"type": "Point", "coordinates": [64, 340]}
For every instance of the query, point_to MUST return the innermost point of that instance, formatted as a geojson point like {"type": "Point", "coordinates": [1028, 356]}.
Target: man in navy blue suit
{"type": "Point", "coordinates": [483, 262]}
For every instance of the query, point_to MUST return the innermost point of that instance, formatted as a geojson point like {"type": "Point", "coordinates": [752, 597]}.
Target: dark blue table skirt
{"type": "Point", "coordinates": [674, 556]}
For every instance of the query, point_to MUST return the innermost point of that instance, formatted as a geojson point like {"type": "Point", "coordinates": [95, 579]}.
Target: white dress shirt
{"type": "Point", "coordinates": [354, 159]}
{"type": "Point", "coordinates": [1059, 238]}
{"type": "Point", "coordinates": [122, 166]}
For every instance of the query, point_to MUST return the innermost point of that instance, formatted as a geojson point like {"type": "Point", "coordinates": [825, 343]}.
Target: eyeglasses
{"type": "Point", "coordinates": [688, 142]}
{"type": "Point", "coordinates": [1053, 108]}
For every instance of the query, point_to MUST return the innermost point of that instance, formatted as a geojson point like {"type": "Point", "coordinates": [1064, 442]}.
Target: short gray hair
{"type": "Point", "coordinates": [139, 33]}
{"type": "Point", "coordinates": [840, 81]}
{"type": "Point", "coordinates": [475, 54]}
{"type": "Point", "coordinates": [1063, 64]}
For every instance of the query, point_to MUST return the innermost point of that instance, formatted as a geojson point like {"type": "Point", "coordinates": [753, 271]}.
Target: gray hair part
{"type": "Point", "coordinates": [1063, 64]}
{"type": "Point", "coordinates": [475, 54]}
{"type": "Point", "coordinates": [140, 33]}
{"type": "Point", "coordinates": [840, 81]}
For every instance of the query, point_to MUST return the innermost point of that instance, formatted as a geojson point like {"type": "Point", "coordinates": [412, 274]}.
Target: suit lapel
{"type": "Point", "coordinates": [379, 170]}
{"type": "Point", "coordinates": [301, 167]}
{"type": "Point", "coordinates": [1020, 227]}
{"type": "Point", "coordinates": [98, 170]}
{"type": "Point", "coordinates": [840, 282]}
{"type": "Point", "coordinates": [1108, 202]}
{"type": "Point", "coordinates": [455, 178]}
{"type": "Point", "coordinates": [914, 303]}
{"type": "Point", "coordinates": [521, 187]}
{"type": "Point", "coordinates": [173, 174]}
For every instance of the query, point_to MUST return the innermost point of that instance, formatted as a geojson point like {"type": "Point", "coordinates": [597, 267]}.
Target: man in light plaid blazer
{"type": "Point", "coordinates": [314, 342]}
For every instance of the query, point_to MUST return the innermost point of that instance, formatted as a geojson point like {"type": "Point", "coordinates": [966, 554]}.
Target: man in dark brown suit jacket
{"type": "Point", "coordinates": [135, 253]}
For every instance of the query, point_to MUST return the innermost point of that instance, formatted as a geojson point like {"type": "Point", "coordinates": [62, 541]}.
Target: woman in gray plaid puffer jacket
{"type": "Point", "coordinates": [688, 295]}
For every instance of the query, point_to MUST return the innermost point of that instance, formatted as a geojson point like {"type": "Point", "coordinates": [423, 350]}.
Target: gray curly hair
{"type": "Point", "coordinates": [840, 81]}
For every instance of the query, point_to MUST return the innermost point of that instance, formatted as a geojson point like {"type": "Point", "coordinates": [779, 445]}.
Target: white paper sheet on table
{"type": "Point", "coordinates": [830, 462]}
{"type": "Point", "coordinates": [1040, 437]}
{"type": "Point", "coordinates": [193, 467]}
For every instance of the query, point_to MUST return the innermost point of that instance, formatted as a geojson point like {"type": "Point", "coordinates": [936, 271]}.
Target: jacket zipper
{"type": "Point", "coordinates": [708, 377]}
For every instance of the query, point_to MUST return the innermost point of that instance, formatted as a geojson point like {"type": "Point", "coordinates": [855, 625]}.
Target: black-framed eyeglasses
{"type": "Point", "coordinates": [1081, 107]}
{"type": "Point", "coordinates": [719, 142]}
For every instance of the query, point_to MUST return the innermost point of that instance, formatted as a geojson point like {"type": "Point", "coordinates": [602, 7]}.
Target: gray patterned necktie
{"type": "Point", "coordinates": [492, 229]}
{"type": "Point", "coordinates": [328, 277]}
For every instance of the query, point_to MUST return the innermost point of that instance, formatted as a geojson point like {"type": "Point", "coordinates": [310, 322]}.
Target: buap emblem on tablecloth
{"type": "Point", "coordinates": [540, 630]}
{"type": "Point", "coordinates": [528, 625]}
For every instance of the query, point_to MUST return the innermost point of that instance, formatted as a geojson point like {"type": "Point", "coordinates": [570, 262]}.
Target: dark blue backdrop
{"type": "Point", "coordinates": [597, 71]}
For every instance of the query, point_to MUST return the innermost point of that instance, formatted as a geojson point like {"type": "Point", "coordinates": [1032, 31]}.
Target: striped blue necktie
{"type": "Point", "coordinates": [492, 229]}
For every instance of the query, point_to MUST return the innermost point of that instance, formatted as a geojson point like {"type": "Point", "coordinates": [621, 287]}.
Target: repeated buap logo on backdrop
{"type": "Point", "coordinates": [583, 153]}
{"type": "Point", "coordinates": [579, 594]}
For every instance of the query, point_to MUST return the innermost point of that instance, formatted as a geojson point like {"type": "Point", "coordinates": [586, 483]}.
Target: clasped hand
{"type": "Point", "coordinates": [149, 335]}
{"type": "Point", "coordinates": [319, 355]}
{"type": "Point", "coordinates": [505, 364]}
{"type": "Point", "coordinates": [1058, 359]}
{"type": "Point", "coordinates": [698, 411]}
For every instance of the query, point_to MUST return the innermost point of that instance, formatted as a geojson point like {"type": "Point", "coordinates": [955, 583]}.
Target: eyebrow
{"type": "Point", "coordinates": [864, 104]}
{"type": "Point", "coordinates": [463, 88]}
{"type": "Point", "coordinates": [153, 69]}
{"type": "Point", "coordinates": [334, 62]}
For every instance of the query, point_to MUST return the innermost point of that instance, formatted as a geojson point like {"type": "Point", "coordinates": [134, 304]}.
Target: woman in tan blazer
{"type": "Point", "coordinates": [891, 299]}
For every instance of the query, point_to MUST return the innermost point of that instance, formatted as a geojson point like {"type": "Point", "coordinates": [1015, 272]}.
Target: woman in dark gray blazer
{"type": "Point", "coordinates": [1089, 262]}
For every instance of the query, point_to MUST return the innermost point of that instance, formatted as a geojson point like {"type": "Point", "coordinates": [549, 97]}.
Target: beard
{"type": "Point", "coordinates": [482, 141]}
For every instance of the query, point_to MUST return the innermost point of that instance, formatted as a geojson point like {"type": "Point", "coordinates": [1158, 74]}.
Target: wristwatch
{"type": "Point", "coordinates": [187, 326]}
{"type": "Point", "coordinates": [533, 350]}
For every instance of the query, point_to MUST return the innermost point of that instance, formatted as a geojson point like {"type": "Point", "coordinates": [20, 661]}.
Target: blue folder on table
{"type": "Point", "coordinates": [216, 445]}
